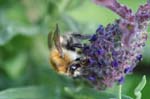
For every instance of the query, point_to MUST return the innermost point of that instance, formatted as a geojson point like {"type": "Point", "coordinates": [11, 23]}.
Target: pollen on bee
{"type": "Point", "coordinates": [58, 63]}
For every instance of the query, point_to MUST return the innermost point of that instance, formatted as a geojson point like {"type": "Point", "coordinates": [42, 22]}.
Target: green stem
{"type": "Point", "coordinates": [120, 91]}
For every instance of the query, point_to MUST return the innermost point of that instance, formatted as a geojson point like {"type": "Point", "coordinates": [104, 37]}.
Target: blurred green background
{"type": "Point", "coordinates": [24, 67]}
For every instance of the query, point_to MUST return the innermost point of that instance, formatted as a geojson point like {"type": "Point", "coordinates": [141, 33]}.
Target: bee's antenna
{"type": "Point", "coordinates": [57, 41]}
{"type": "Point", "coordinates": [50, 40]}
{"type": "Point", "coordinates": [57, 29]}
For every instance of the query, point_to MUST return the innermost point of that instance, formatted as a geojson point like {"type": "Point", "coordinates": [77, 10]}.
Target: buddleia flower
{"type": "Point", "coordinates": [114, 51]}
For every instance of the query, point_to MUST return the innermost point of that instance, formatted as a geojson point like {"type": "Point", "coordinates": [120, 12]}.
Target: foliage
{"type": "Point", "coordinates": [49, 93]}
{"type": "Point", "coordinates": [139, 88]}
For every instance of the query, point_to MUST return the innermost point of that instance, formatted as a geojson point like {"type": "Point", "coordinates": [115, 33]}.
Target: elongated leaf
{"type": "Point", "coordinates": [52, 92]}
{"type": "Point", "coordinates": [30, 93]}
{"type": "Point", "coordinates": [87, 93]}
{"type": "Point", "coordinates": [139, 88]}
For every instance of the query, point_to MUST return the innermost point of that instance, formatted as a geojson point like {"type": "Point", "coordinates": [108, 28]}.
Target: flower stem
{"type": "Point", "coordinates": [119, 92]}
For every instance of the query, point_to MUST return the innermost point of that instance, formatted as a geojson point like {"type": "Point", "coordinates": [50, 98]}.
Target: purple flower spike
{"type": "Point", "coordinates": [106, 3]}
{"type": "Point", "coordinates": [113, 5]}
{"type": "Point", "coordinates": [143, 13]}
{"type": "Point", "coordinates": [114, 51]}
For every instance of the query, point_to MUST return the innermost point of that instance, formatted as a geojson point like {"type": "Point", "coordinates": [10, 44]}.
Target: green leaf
{"type": "Point", "coordinates": [15, 65]}
{"type": "Point", "coordinates": [139, 88]}
{"type": "Point", "coordinates": [30, 93]}
{"type": "Point", "coordinates": [54, 92]}
{"type": "Point", "coordinates": [11, 29]}
{"type": "Point", "coordinates": [89, 93]}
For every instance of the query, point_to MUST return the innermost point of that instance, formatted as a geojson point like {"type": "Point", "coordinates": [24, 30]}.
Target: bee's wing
{"type": "Point", "coordinates": [57, 42]}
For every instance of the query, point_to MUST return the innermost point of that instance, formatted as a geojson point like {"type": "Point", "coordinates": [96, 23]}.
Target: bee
{"type": "Point", "coordinates": [65, 53]}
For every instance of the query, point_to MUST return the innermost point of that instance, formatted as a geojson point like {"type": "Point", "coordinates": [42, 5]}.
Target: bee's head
{"type": "Point", "coordinates": [75, 68]}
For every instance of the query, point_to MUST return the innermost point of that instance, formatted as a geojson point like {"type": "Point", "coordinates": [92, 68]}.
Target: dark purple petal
{"type": "Point", "coordinates": [91, 61]}
{"type": "Point", "coordinates": [92, 78]}
{"type": "Point", "coordinates": [100, 52]}
{"type": "Point", "coordinates": [121, 80]}
{"type": "Point", "coordinates": [93, 38]}
{"type": "Point", "coordinates": [101, 62]}
{"type": "Point", "coordinates": [114, 53]}
{"type": "Point", "coordinates": [139, 57]}
{"type": "Point", "coordinates": [85, 48]}
{"type": "Point", "coordinates": [100, 29]}
{"type": "Point", "coordinates": [128, 70]}
{"type": "Point", "coordinates": [115, 63]}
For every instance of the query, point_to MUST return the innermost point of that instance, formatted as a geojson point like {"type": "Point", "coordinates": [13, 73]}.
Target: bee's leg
{"type": "Point", "coordinates": [75, 41]}
{"type": "Point", "coordinates": [77, 45]}
{"type": "Point", "coordinates": [81, 36]}
{"type": "Point", "coordinates": [57, 42]}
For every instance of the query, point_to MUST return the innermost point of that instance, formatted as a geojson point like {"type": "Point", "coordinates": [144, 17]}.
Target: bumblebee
{"type": "Point", "coordinates": [65, 53]}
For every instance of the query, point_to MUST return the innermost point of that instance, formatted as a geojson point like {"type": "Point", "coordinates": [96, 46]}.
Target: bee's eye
{"type": "Point", "coordinates": [73, 68]}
